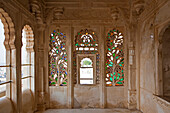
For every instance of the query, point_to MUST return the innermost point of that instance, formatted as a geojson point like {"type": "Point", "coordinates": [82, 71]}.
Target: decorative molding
{"type": "Point", "coordinates": [161, 101]}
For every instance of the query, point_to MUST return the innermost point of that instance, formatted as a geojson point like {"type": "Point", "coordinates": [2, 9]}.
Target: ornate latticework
{"type": "Point", "coordinates": [57, 59]}
{"type": "Point", "coordinates": [114, 59]}
{"type": "Point", "coordinates": [86, 43]}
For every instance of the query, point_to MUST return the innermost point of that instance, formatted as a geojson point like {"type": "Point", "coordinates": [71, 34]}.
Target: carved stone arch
{"type": "Point", "coordinates": [29, 38]}
{"type": "Point", "coordinates": [163, 31]}
{"type": "Point", "coordinates": [159, 58]}
{"type": "Point", "coordinates": [8, 29]}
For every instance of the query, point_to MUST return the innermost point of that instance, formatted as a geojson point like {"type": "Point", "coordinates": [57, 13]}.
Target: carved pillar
{"type": "Point", "coordinates": [102, 68]}
{"type": "Point", "coordinates": [40, 74]}
{"type": "Point", "coordinates": [16, 95]}
{"type": "Point", "coordinates": [70, 85]}
{"type": "Point", "coordinates": [132, 77]}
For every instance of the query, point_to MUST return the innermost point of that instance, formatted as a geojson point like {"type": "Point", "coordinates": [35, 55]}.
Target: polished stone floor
{"type": "Point", "coordinates": [116, 110]}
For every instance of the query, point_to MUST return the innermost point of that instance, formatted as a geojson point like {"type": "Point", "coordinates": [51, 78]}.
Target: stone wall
{"type": "Point", "coordinates": [149, 103]}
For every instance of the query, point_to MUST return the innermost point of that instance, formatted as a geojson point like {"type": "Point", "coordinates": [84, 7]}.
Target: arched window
{"type": "Point", "coordinates": [86, 71]}
{"type": "Point", "coordinates": [27, 57]}
{"type": "Point", "coordinates": [7, 37]}
{"type": "Point", "coordinates": [86, 46]}
{"type": "Point", "coordinates": [165, 61]}
{"type": "Point", "coordinates": [57, 59]}
{"type": "Point", "coordinates": [2, 59]}
{"type": "Point", "coordinates": [114, 59]}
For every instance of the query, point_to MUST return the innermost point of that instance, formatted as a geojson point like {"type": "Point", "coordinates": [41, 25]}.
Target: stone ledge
{"type": "Point", "coordinates": [161, 101]}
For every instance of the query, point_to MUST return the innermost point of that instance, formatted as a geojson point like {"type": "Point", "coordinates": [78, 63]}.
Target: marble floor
{"type": "Point", "coordinates": [116, 110]}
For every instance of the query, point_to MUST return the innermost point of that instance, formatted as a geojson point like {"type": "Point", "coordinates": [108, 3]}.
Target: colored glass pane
{"type": "Point", "coordinates": [57, 59]}
{"type": "Point", "coordinates": [86, 43]}
{"type": "Point", "coordinates": [114, 58]}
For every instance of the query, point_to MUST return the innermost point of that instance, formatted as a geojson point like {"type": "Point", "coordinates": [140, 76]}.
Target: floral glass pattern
{"type": "Point", "coordinates": [114, 59]}
{"type": "Point", "coordinates": [86, 43]}
{"type": "Point", "coordinates": [57, 59]}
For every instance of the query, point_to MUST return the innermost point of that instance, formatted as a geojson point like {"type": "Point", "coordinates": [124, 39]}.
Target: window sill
{"type": "Point", "coordinates": [88, 85]}
{"type": "Point", "coordinates": [2, 94]}
{"type": "Point", "coordinates": [161, 100]}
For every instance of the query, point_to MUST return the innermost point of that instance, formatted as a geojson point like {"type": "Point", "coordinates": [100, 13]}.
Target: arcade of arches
{"type": "Point", "coordinates": [77, 56]}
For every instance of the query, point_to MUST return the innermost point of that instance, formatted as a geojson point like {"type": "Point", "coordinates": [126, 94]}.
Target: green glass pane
{"type": "Point", "coordinates": [113, 54]}
{"type": "Point", "coordinates": [108, 34]}
{"type": "Point", "coordinates": [111, 75]}
{"type": "Point", "coordinates": [109, 49]}
{"type": "Point", "coordinates": [122, 59]}
{"type": "Point", "coordinates": [53, 83]}
{"type": "Point", "coordinates": [119, 83]}
{"type": "Point", "coordinates": [118, 74]}
{"type": "Point", "coordinates": [122, 71]}
{"type": "Point", "coordinates": [56, 79]}
{"type": "Point", "coordinates": [111, 65]}
{"type": "Point", "coordinates": [105, 67]}
{"type": "Point", "coordinates": [113, 48]}
{"type": "Point", "coordinates": [111, 79]}
{"type": "Point", "coordinates": [117, 57]}
{"type": "Point", "coordinates": [120, 65]}
{"type": "Point", "coordinates": [114, 73]}
{"type": "Point", "coordinates": [114, 77]}
{"type": "Point", "coordinates": [118, 78]}
{"type": "Point", "coordinates": [121, 79]}
{"type": "Point", "coordinates": [64, 83]}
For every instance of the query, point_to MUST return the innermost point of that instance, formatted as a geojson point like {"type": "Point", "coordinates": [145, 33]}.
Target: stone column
{"type": "Point", "coordinates": [102, 68]}
{"type": "Point", "coordinates": [132, 72]}
{"type": "Point", "coordinates": [70, 85]}
{"type": "Point", "coordinates": [16, 91]}
{"type": "Point", "coordinates": [40, 68]}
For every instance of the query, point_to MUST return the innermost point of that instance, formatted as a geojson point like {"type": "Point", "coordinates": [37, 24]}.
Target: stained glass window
{"type": "Point", "coordinates": [86, 43]}
{"type": "Point", "coordinates": [114, 59]}
{"type": "Point", "coordinates": [57, 59]}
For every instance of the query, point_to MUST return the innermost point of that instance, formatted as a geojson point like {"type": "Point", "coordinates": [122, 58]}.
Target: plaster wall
{"type": "Point", "coordinates": [149, 103]}
{"type": "Point", "coordinates": [87, 97]}
{"type": "Point", "coordinates": [58, 97]}
{"type": "Point", "coordinates": [115, 97]}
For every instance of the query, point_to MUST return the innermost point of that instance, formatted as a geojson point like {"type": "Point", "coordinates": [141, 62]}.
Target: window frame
{"type": "Point", "coordinates": [78, 61]}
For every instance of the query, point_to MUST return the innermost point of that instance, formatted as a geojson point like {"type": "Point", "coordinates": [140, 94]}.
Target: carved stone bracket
{"type": "Point", "coordinates": [114, 13]}
{"type": "Point", "coordinates": [57, 13]}
{"type": "Point", "coordinates": [139, 6]}
{"type": "Point", "coordinates": [132, 99]}
{"type": "Point", "coordinates": [36, 10]}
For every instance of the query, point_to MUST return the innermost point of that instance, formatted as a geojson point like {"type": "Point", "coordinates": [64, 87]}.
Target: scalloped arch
{"type": "Point", "coordinates": [29, 38]}
{"type": "Point", "coordinates": [8, 29]}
